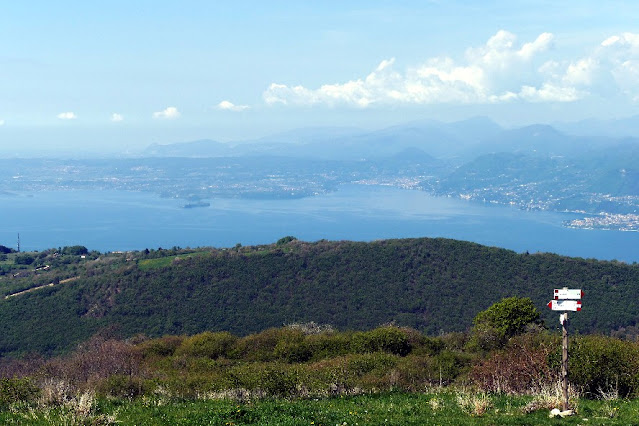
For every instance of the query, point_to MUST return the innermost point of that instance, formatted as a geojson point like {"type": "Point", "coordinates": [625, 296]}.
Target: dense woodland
{"type": "Point", "coordinates": [435, 286]}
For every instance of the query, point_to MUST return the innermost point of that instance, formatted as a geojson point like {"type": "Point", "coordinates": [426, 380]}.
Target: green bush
{"type": "Point", "coordinates": [293, 349]}
{"type": "Point", "coordinates": [328, 345]}
{"type": "Point", "coordinates": [454, 341]}
{"type": "Point", "coordinates": [74, 250]}
{"type": "Point", "coordinates": [279, 381]}
{"type": "Point", "coordinates": [344, 374]}
{"type": "Point", "coordinates": [261, 346]}
{"type": "Point", "coordinates": [163, 346]}
{"type": "Point", "coordinates": [450, 365]}
{"type": "Point", "coordinates": [24, 259]}
{"type": "Point", "coordinates": [17, 390]}
{"type": "Point", "coordinates": [207, 344]}
{"type": "Point", "coordinates": [361, 364]}
{"type": "Point", "coordinates": [501, 321]}
{"type": "Point", "coordinates": [416, 373]}
{"type": "Point", "coordinates": [384, 339]}
{"type": "Point", "coordinates": [600, 364]}
{"type": "Point", "coordinates": [243, 376]}
{"type": "Point", "coordinates": [121, 386]}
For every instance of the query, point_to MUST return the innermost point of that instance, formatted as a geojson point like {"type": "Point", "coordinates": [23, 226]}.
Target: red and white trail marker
{"type": "Point", "coordinates": [568, 293]}
{"type": "Point", "coordinates": [565, 305]}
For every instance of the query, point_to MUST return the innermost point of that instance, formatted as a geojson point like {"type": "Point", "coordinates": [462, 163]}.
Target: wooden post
{"type": "Point", "coordinates": [564, 360]}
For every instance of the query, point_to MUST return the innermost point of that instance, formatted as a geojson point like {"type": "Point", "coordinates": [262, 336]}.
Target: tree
{"type": "Point", "coordinates": [503, 320]}
{"type": "Point", "coordinates": [5, 249]}
{"type": "Point", "coordinates": [285, 240]}
{"type": "Point", "coordinates": [24, 259]}
{"type": "Point", "coordinates": [75, 250]}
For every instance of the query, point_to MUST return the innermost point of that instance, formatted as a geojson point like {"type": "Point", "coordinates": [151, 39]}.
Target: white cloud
{"type": "Point", "coordinates": [229, 106]}
{"type": "Point", "coordinates": [1, 122]}
{"type": "Point", "coordinates": [549, 92]}
{"type": "Point", "coordinates": [581, 72]}
{"type": "Point", "coordinates": [169, 113]}
{"type": "Point", "coordinates": [499, 71]}
{"type": "Point", "coordinates": [115, 117]}
{"type": "Point", "coordinates": [67, 116]}
{"type": "Point", "coordinates": [618, 57]}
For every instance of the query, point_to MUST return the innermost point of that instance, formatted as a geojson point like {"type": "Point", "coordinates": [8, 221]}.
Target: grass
{"type": "Point", "coordinates": [435, 408]}
{"type": "Point", "coordinates": [162, 262]}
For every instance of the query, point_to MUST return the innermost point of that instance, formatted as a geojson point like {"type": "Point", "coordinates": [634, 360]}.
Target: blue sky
{"type": "Point", "coordinates": [119, 75]}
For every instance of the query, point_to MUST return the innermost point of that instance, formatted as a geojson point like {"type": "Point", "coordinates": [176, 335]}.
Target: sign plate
{"type": "Point", "coordinates": [565, 305]}
{"type": "Point", "coordinates": [568, 294]}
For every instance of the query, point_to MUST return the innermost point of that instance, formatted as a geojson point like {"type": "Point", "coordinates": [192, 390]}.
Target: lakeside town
{"type": "Point", "coordinates": [606, 221]}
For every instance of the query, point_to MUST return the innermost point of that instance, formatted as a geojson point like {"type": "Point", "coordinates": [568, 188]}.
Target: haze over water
{"type": "Point", "coordinates": [114, 220]}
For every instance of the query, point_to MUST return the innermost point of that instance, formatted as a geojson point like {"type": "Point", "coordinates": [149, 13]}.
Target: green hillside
{"type": "Point", "coordinates": [434, 285]}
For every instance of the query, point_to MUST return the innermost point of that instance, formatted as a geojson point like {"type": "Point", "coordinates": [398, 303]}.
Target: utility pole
{"type": "Point", "coordinates": [18, 242]}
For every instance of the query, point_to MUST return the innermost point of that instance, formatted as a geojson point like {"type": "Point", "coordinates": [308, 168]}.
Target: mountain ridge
{"type": "Point", "coordinates": [432, 284]}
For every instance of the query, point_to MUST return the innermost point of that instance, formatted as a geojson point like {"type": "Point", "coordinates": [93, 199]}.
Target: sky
{"type": "Point", "coordinates": [117, 76]}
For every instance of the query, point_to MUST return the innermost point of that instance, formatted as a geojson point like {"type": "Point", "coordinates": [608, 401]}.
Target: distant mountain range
{"type": "Point", "coordinates": [532, 167]}
{"type": "Point", "coordinates": [458, 140]}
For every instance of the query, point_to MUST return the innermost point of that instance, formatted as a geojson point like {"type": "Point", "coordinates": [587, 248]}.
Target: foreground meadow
{"type": "Point", "coordinates": [445, 407]}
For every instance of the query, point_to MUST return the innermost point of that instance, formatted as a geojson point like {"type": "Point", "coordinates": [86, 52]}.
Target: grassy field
{"type": "Point", "coordinates": [437, 408]}
{"type": "Point", "coordinates": [163, 262]}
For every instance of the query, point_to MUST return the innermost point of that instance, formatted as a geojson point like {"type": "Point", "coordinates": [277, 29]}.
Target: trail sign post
{"type": "Point", "coordinates": [565, 299]}
{"type": "Point", "coordinates": [568, 294]}
{"type": "Point", "coordinates": [565, 305]}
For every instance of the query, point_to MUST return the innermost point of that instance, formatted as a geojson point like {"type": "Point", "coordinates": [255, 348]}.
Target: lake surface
{"type": "Point", "coordinates": [114, 220]}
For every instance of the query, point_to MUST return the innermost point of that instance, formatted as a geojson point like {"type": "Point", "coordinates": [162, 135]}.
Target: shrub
{"type": "Point", "coordinates": [327, 345]}
{"type": "Point", "coordinates": [599, 364]}
{"type": "Point", "coordinates": [521, 368]}
{"type": "Point", "coordinates": [261, 346]}
{"type": "Point", "coordinates": [285, 240]}
{"type": "Point", "coordinates": [416, 373]}
{"type": "Point", "coordinates": [450, 365]}
{"type": "Point", "coordinates": [293, 350]}
{"type": "Point", "coordinates": [245, 376]}
{"type": "Point", "coordinates": [363, 364]}
{"type": "Point", "coordinates": [207, 344]}
{"type": "Point", "coordinates": [17, 390]}
{"type": "Point", "coordinates": [121, 386]}
{"type": "Point", "coordinates": [455, 341]}
{"type": "Point", "coordinates": [24, 259]}
{"type": "Point", "coordinates": [94, 361]}
{"type": "Point", "coordinates": [74, 250]}
{"type": "Point", "coordinates": [163, 346]}
{"type": "Point", "coordinates": [348, 374]}
{"type": "Point", "coordinates": [385, 339]}
{"type": "Point", "coordinates": [279, 381]}
{"type": "Point", "coordinates": [503, 320]}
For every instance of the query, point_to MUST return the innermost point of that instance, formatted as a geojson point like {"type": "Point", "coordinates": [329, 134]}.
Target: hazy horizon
{"type": "Point", "coordinates": [116, 78]}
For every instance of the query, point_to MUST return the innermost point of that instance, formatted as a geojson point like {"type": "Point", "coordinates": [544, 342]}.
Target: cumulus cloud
{"type": "Point", "coordinates": [115, 117]}
{"type": "Point", "coordinates": [618, 64]}
{"type": "Point", "coordinates": [500, 70]}
{"type": "Point", "coordinates": [169, 113]}
{"type": "Point", "coordinates": [67, 116]}
{"type": "Point", "coordinates": [229, 106]}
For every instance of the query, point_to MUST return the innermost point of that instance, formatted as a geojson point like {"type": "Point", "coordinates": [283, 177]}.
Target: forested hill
{"type": "Point", "coordinates": [435, 285]}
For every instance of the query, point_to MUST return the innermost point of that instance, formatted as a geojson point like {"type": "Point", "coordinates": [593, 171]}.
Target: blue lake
{"type": "Point", "coordinates": [114, 220]}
